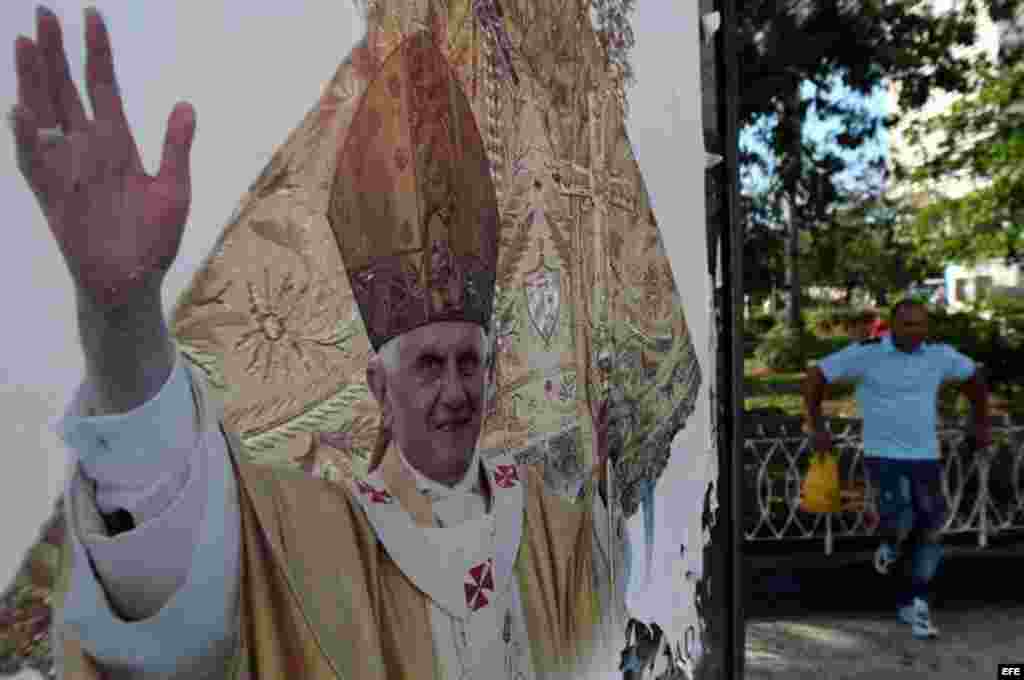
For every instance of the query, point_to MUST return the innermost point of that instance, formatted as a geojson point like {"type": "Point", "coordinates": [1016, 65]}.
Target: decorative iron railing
{"type": "Point", "coordinates": [984, 489]}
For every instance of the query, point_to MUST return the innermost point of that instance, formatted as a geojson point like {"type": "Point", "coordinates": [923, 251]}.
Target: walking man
{"type": "Point", "coordinates": [898, 378]}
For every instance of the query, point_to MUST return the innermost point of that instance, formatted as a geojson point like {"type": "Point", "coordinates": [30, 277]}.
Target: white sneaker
{"type": "Point", "coordinates": [917, 615]}
{"type": "Point", "coordinates": [885, 557]}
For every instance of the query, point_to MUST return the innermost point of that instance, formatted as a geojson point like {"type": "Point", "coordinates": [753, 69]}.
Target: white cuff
{"type": "Point", "coordinates": [159, 601]}
{"type": "Point", "coordinates": [138, 459]}
{"type": "Point", "coordinates": [142, 568]}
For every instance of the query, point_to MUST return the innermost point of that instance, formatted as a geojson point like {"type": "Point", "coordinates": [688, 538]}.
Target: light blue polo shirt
{"type": "Point", "coordinates": [897, 393]}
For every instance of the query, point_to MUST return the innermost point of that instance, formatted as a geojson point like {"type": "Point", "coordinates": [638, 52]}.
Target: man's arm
{"type": "Point", "coordinates": [128, 351]}
{"type": "Point", "coordinates": [117, 227]}
{"type": "Point", "coordinates": [847, 364]}
{"type": "Point", "coordinates": [971, 378]}
{"type": "Point", "coordinates": [976, 391]}
{"type": "Point", "coordinates": [815, 388]}
{"type": "Point", "coordinates": [129, 356]}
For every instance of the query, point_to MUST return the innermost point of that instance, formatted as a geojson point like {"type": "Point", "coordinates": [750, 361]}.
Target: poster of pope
{"type": "Point", "coordinates": [397, 424]}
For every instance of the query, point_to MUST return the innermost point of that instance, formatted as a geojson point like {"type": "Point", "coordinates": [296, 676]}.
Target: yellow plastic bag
{"type": "Point", "coordinates": [820, 490]}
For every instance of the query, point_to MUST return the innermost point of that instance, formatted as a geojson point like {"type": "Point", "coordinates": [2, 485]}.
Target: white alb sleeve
{"type": "Point", "coordinates": [158, 601]}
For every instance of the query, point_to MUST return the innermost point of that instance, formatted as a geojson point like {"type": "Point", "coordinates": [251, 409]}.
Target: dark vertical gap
{"type": "Point", "coordinates": [719, 592]}
{"type": "Point", "coordinates": [710, 597]}
{"type": "Point", "coordinates": [731, 342]}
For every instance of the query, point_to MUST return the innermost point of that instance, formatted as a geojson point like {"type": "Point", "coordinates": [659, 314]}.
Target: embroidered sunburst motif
{"type": "Point", "coordinates": [279, 329]}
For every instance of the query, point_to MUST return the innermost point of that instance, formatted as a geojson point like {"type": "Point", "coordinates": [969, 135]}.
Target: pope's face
{"type": "Point", "coordinates": [434, 397]}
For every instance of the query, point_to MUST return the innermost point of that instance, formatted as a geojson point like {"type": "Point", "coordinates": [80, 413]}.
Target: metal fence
{"type": "Point", "coordinates": [984, 490]}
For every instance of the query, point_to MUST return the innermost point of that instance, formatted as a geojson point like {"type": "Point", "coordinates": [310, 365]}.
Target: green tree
{"type": "Point", "coordinates": [865, 247]}
{"type": "Point", "coordinates": [981, 139]}
{"type": "Point", "coordinates": [763, 244]}
{"type": "Point", "coordinates": [863, 44]}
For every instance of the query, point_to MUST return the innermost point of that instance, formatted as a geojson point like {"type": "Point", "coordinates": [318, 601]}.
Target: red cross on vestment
{"type": "Point", "coordinates": [506, 476]}
{"type": "Point", "coordinates": [479, 581]}
{"type": "Point", "coordinates": [376, 495]}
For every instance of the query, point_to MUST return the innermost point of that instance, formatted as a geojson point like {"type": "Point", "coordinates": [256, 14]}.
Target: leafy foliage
{"type": "Point", "coordinates": [759, 324]}
{"type": "Point", "coordinates": [981, 139]}
{"type": "Point", "coordinates": [1009, 310]}
{"type": "Point", "coordinates": [866, 246]}
{"type": "Point", "coordinates": [782, 350]}
{"type": "Point", "coordinates": [866, 42]}
{"type": "Point", "coordinates": [763, 243]}
{"type": "Point", "coordinates": [859, 45]}
{"type": "Point", "coordinates": [834, 321]}
{"type": "Point", "coordinates": [997, 343]}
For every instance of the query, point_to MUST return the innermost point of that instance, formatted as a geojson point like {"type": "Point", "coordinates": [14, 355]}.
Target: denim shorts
{"type": "Point", "coordinates": [909, 493]}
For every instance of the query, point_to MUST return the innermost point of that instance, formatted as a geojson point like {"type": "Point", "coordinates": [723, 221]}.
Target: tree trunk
{"type": "Point", "coordinates": [790, 129]}
{"type": "Point", "coordinates": [793, 311]}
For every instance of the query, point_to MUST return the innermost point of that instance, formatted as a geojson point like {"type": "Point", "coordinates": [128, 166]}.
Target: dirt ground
{"type": "Point", "coordinates": [864, 647]}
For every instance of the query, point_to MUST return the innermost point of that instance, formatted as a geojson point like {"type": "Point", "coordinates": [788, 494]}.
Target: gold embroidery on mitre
{"type": "Point", "coordinates": [413, 206]}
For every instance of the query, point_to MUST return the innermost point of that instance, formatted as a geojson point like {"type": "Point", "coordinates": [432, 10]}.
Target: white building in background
{"type": "Point", "coordinates": [963, 285]}
{"type": "Point", "coordinates": [966, 285]}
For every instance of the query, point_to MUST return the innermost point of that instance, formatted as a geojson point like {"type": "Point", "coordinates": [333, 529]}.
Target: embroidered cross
{"type": "Point", "coordinates": [506, 476]}
{"type": "Point", "coordinates": [375, 495]}
{"type": "Point", "coordinates": [479, 580]}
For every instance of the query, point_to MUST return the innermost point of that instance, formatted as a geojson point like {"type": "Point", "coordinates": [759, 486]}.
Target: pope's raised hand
{"type": "Point", "coordinates": [117, 227]}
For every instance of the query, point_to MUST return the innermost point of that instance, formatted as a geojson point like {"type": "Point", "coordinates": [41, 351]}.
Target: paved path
{"type": "Point", "coordinates": [838, 623]}
{"type": "Point", "coordinates": [863, 647]}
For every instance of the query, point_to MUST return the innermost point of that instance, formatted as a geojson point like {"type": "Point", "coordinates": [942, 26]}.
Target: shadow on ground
{"type": "Point", "coordinates": [839, 623]}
